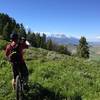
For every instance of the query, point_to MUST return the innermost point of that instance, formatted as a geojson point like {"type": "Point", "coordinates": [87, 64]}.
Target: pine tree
{"type": "Point", "coordinates": [83, 48]}
{"type": "Point", "coordinates": [7, 25]}
{"type": "Point", "coordinates": [38, 40]}
{"type": "Point", "coordinates": [32, 38]}
{"type": "Point", "coordinates": [66, 51]}
{"type": "Point", "coordinates": [0, 26]}
{"type": "Point", "coordinates": [55, 47]}
{"type": "Point", "coordinates": [63, 49]}
{"type": "Point", "coordinates": [43, 41]}
{"type": "Point", "coordinates": [4, 19]}
{"type": "Point", "coordinates": [22, 31]}
{"type": "Point", "coordinates": [6, 33]}
{"type": "Point", "coordinates": [49, 44]}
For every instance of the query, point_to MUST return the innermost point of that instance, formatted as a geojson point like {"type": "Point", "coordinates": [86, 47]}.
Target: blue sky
{"type": "Point", "coordinates": [70, 17]}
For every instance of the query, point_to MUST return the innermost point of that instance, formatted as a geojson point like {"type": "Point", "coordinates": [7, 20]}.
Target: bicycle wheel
{"type": "Point", "coordinates": [19, 93]}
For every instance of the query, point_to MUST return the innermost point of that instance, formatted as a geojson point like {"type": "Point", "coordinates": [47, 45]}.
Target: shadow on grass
{"type": "Point", "coordinates": [37, 92]}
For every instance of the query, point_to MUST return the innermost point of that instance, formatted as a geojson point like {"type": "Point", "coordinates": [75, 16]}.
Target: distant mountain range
{"type": "Point", "coordinates": [94, 43]}
{"type": "Point", "coordinates": [63, 39]}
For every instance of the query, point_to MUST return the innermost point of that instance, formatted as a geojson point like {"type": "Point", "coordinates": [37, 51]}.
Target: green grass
{"type": "Point", "coordinates": [3, 43]}
{"type": "Point", "coordinates": [95, 53]}
{"type": "Point", "coordinates": [54, 76]}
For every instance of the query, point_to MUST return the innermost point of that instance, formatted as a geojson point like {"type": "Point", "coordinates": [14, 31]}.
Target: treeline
{"type": "Point", "coordinates": [9, 25]}
{"type": "Point", "coordinates": [40, 41]}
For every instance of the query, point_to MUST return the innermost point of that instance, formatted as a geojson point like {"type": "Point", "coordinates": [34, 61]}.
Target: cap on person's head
{"type": "Point", "coordinates": [23, 38]}
{"type": "Point", "coordinates": [14, 36]}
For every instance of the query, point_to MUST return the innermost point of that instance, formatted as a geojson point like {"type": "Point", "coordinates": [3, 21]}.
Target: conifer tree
{"type": "Point", "coordinates": [31, 38]}
{"type": "Point", "coordinates": [6, 33]}
{"type": "Point", "coordinates": [63, 49]}
{"type": "Point", "coordinates": [22, 31]}
{"type": "Point", "coordinates": [43, 41]}
{"type": "Point", "coordinates": [49, 44]}
{"type": "Point", "coordinates": [38, 39]}
{"type": "Point", "coordinates": [83, 48]}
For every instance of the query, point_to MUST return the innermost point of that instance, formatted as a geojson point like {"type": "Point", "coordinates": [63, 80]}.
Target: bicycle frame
{"type": "Point", "coordinates": [19, 87]}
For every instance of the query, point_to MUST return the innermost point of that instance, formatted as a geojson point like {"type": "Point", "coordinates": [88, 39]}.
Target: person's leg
{"type": "Point", "coordinates": [24, 71]}
{"type": "Point", "coordinates": [15, 73]}
{"type": "Point", "coordinates": [13, 83]}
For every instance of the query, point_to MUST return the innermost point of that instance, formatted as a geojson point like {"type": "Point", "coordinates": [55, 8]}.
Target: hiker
{"type": "Point", "coordinates": [14, 53]}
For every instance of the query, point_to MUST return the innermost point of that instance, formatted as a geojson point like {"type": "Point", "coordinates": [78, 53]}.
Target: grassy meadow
{"type": "Point", "coordinates": [95, 53]}
{"type": "Point", "coordinates": [53, 76]}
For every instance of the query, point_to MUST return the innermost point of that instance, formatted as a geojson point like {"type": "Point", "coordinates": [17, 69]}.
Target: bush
{"type": "Point", "coordinates": [3, 44]}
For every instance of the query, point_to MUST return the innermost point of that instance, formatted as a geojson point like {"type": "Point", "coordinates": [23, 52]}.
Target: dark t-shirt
{"type": "Point", "coordinates": [18, 48]}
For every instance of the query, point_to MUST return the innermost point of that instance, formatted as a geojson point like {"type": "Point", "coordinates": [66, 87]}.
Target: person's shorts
{"type": "Point", "coordinates": [22, 68]}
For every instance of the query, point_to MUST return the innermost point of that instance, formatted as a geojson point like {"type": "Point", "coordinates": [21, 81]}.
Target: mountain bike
{"type": "Point", "coordinates": [19, 87]}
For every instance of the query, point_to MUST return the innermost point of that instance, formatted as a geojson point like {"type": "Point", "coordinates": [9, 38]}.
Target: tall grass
{"type": "Point", "coordinates": [54, 76]}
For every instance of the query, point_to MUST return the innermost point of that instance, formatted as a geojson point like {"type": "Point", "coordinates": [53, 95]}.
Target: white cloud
{"type": "Point", "coordinates": [93, 38]}
{"type": "Point", "coordinates": [27, 27]}
{"type": "Point", "coordinates": [98, 37]}
{"type": "Point", "coordinates": [59, 34]}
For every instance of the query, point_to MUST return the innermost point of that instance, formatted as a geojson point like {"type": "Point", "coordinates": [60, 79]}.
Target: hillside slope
{"type": "Point", "coordinates": [54, 76]}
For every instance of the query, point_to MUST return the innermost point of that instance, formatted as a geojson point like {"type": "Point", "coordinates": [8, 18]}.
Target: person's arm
{"type": "Point", "coordinates": [7, 52]}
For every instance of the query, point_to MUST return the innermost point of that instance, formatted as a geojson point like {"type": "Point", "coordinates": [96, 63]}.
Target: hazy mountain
{"type": "Point", "coordinates": [95, 43]}
{"type": "Point", "coordinates": [63, 39]}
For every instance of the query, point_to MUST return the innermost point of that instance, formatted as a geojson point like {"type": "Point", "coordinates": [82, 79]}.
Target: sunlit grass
{"type": "Point", "coordinates": [53, 75]}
